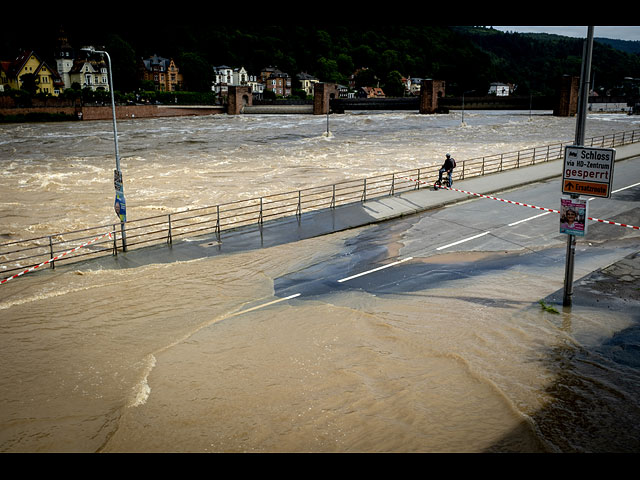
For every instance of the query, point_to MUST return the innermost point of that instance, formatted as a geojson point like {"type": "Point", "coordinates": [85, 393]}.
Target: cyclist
{"type": "Point", "coordinates": [448, 166]}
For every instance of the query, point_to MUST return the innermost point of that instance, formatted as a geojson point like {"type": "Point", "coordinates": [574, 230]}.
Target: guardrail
{"type": "Point", "coordinates": [23, 254]}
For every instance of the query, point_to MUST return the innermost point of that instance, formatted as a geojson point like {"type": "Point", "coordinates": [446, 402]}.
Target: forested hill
{"type": "Point", "coordinates": [534, 60]}
{"type": "Point", "coordinates": [622, 45]}
{"type": "Point", "coordinates": [468, 58]}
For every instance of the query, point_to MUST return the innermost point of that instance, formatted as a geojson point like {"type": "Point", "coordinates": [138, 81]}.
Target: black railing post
{"type": "Point", "coordinates": [51, 252]}
{"type": "Point", "coordinates": [123, 236]}
{"type": "Point", "coordinates": [218, 222]}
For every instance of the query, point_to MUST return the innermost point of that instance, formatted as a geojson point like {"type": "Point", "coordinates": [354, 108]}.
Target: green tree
{"type": "Point", "coordinates": [393, 86]}
{"type": "Point", "coordinates": [29, 83]}
{"type": "Point", "coordinates": [323, 43]}
{"type": "Point", "coordinates": [364, 56]}
{"type": "Point", "coordinates": [345, 64]}
{"type": "Point", "coordinates": [327, 71]}
{"type": "Point", "coordinates": [366, 78]}
{"type": "Point", "coordinates": [269, 95]}
{"type": "Point", "coordinates": [196, 71]}
{"type": "Point", "coordinates": [124, 63]}
{"type": "Point", "coordinates": [390, 60]}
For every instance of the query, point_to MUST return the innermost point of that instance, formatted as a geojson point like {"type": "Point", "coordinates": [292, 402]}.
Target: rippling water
{"type": "Point", "coordinates": [59, 177]}
{"type": "Point", "coordinates": [172, 357]}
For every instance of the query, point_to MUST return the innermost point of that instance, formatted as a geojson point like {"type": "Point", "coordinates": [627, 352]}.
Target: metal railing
{"type": "Point", "coordinates": [23, 254]}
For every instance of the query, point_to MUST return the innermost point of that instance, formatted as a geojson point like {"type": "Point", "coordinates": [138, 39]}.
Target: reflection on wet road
{"type": "Point", "coordinates": [414, 251]}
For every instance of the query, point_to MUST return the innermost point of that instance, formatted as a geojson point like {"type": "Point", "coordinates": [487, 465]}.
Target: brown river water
{"type": "Point", "coordinates": [177, 357]}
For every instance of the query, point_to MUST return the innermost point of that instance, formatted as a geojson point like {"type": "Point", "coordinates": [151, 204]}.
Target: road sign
{"type": "Point", "coordinates": [588, 171]}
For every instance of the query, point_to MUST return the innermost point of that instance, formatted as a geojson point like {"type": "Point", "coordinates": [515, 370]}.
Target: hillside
{"type": "Point", "coordinates": [622, 45]}
{"type": "Point", "coordinates": [468, 58]}
{"type": "Point", "coordinates": [534, 60]}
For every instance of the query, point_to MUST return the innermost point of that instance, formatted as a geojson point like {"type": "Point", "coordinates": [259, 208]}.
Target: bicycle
{"type": "Point", "coordinates": [448, 182]}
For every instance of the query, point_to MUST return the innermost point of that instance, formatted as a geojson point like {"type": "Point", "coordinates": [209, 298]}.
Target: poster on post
{"type": "Point", "coordinates": [573, 216]}
{"type": "Point", "coordinates": [120, 206]}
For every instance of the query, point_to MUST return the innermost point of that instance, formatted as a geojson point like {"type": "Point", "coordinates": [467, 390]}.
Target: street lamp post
{"type": "Point", "coordinates": [120, 204]}
{"type": "Point", "coordinates": [463, 93]}
{"type": "Point", "coordinates": [113, 109]}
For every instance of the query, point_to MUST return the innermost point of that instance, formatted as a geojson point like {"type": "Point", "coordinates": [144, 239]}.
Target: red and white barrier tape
{"type": "Point", "coordinates": [527, 205]}
{"type": "Point", "coordinates": [62, 255]}
{"type": "Point", "coordinates": [614, 223]}
{"type": "Point", "coordinates": [413, 180]}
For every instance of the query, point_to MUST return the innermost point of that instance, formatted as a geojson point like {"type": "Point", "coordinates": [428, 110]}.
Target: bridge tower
{"type": "Point", "coordinates": [323, 93]}
{"type": "Point", "coordinates": [430, 92]}
{"type": "Point", "coordinates": [567, 100]}
{"type": "Point", "coordinates": [239, 97]}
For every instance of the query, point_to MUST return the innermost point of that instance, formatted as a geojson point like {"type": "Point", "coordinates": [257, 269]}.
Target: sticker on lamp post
{"type": "Point", "coordinates": [120, 206]}
{"type": "Point", "coordinates": [573, 216]}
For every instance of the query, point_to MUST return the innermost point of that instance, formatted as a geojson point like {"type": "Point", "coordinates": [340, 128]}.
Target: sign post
{"type": "Point", "coordinates": [588, 171]}
{"type": "Point", "coordinates": [585, 81]}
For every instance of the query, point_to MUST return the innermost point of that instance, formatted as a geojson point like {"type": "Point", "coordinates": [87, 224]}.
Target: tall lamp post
{"type": "Point", "coordinates": [120, 204]}
{"type": "Point", "coordinates": [463, 93]}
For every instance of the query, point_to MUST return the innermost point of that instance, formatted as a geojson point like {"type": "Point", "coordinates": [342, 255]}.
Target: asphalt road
{"type": "Point", "coordinates": [373, 261]}
{"type": "Point", "coordinates": [391, 255]}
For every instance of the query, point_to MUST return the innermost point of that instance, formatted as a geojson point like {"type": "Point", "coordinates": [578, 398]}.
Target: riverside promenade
{"type": "Point", "coordinates": [380, 209]}
{"type": "Point", "coordinates": [618, 283]}
{"type": "Point", "coordinates": [615, 287]}
{"type": "Point", "coordinates": [374, 210]}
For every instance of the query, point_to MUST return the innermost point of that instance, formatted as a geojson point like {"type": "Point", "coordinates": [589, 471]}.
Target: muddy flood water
{"type": "Point", "coordinates": [176, 357]}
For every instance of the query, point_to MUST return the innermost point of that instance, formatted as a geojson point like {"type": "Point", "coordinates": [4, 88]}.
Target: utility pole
{"type": "Point", "coordinates": [120, 203]}
{"type": "Point", "coordinates": [579, 141]}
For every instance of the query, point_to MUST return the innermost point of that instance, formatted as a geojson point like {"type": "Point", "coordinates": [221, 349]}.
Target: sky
{"type": "Point", "coordinates": [619, 33]}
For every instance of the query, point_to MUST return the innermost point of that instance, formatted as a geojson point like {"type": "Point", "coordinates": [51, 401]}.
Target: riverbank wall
{"type": "Point", "coordinates": [123, 112]}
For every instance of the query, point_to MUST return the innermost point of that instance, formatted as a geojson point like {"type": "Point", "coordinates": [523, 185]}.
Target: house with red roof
{"type": "Point", "coordinates": [29, 69]}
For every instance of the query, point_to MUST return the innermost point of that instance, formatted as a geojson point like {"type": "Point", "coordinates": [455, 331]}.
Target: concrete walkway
{"type": "Point", "coordinates": [415, 201]}
{"type": "Point", "coordinates": [618, 285]}
{"type": "Point", "coordinates": [330, 220]}
{"type": "Point", "coordinates": [358, 214]}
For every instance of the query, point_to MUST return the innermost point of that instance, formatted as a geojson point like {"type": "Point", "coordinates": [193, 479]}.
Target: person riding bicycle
{"type": "Point", "coordinates": [448, 166]}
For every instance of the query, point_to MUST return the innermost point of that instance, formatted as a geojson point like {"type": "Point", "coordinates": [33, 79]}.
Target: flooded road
{"type": "Point", "coordinates": [449, 353]}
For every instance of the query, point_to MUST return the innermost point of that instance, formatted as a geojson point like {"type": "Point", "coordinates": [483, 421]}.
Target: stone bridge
{"type": "Point", "coordinates": [431, 100]}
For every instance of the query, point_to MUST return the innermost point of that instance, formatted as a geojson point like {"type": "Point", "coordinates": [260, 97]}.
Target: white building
{"type": "Point", "coordinates": [499, 89]}
{"type": "Point", "coordinates": [414, 85]}
{"type": "Point", "coordinates": [307, 82]}
{"type": "Point", "coordinates": [64, 56]}
{"type": "Point", "coordinates": [89, 74]}
{"type": "Point", "coordinates": [225, 76]}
